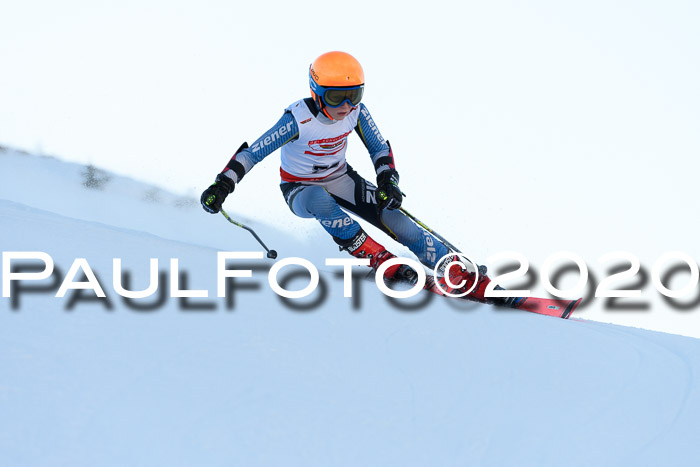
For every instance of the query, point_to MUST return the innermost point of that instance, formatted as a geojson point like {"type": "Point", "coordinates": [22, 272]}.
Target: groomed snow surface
{"type": "Point", "coordinates": [252, 380]}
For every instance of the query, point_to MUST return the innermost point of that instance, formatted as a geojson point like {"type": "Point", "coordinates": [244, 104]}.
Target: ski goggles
{"type": "Point", "coordinates": [335, 97]}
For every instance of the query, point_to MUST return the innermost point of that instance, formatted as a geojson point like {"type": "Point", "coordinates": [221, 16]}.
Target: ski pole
{"type": "Point", "coordinates": [429, 230]}
{"type": "Point", "coordinates": [272, 254]}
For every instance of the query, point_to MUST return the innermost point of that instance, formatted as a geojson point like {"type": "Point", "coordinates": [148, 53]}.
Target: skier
{"type": "Point", "coordinates": [317, 182]}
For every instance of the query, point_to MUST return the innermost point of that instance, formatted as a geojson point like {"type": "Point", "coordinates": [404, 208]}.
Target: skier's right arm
{"type": "Point", "coordinates": [284, 131]}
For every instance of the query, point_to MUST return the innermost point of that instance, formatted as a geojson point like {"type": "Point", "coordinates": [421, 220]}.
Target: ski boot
{"type": "Point", "coordinates": [457, 275]}
{"type": "Point", "coordinates": [363, 246]}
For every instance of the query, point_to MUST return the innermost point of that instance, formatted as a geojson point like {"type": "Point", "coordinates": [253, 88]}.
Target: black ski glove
{"type": "Point", "coordinates": [388, 193]}
{"type": "Point", "coordinates": [214, 196]}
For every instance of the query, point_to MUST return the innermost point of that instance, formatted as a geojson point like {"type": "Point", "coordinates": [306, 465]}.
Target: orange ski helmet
{"type": "Point", "coordinates": [334, 78]}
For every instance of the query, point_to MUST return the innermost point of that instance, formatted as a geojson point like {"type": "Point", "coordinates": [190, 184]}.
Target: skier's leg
{"type": "Point", "coordinates": [313, 201]}
{"type": "Point", "coordinates": [358, 196]}
{"type": "Point", "coordinates": [422, 243]}
{"type": "Point", "coordinates": [396, 220]}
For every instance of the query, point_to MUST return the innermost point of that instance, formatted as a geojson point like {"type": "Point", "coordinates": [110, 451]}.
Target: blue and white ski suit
{"type": "Point", "coordinates": [317, 182]}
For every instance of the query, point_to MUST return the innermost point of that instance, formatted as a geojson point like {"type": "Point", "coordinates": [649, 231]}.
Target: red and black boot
{"type": "Point", "coordinates": [457, 275]}
{"type": "Point", "coordinates": [363, 246]}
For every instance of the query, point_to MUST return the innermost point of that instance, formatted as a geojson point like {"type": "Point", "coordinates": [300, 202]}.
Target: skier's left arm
{"type": "Point", "coordinates": [389, 194]}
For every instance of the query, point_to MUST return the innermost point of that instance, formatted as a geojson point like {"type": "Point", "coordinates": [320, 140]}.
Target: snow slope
{"type": "Point", "coordinates": [257, 382]}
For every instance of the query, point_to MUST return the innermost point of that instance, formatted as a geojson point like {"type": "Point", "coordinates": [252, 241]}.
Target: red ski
{"type": "Point", "coordinates": [543, 306]}
{"type": "Point", "coordinates": [546, 306]}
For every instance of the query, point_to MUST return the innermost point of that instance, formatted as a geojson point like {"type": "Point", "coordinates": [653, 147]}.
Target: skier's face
{"type": "Point", "coordinates": [339, 113]}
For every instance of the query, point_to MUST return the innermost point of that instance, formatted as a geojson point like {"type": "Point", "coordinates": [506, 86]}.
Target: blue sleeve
{"type": "Point", "coordinates": [282, 132]}
{"type": "Point", "coordinates": [379, 149]}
